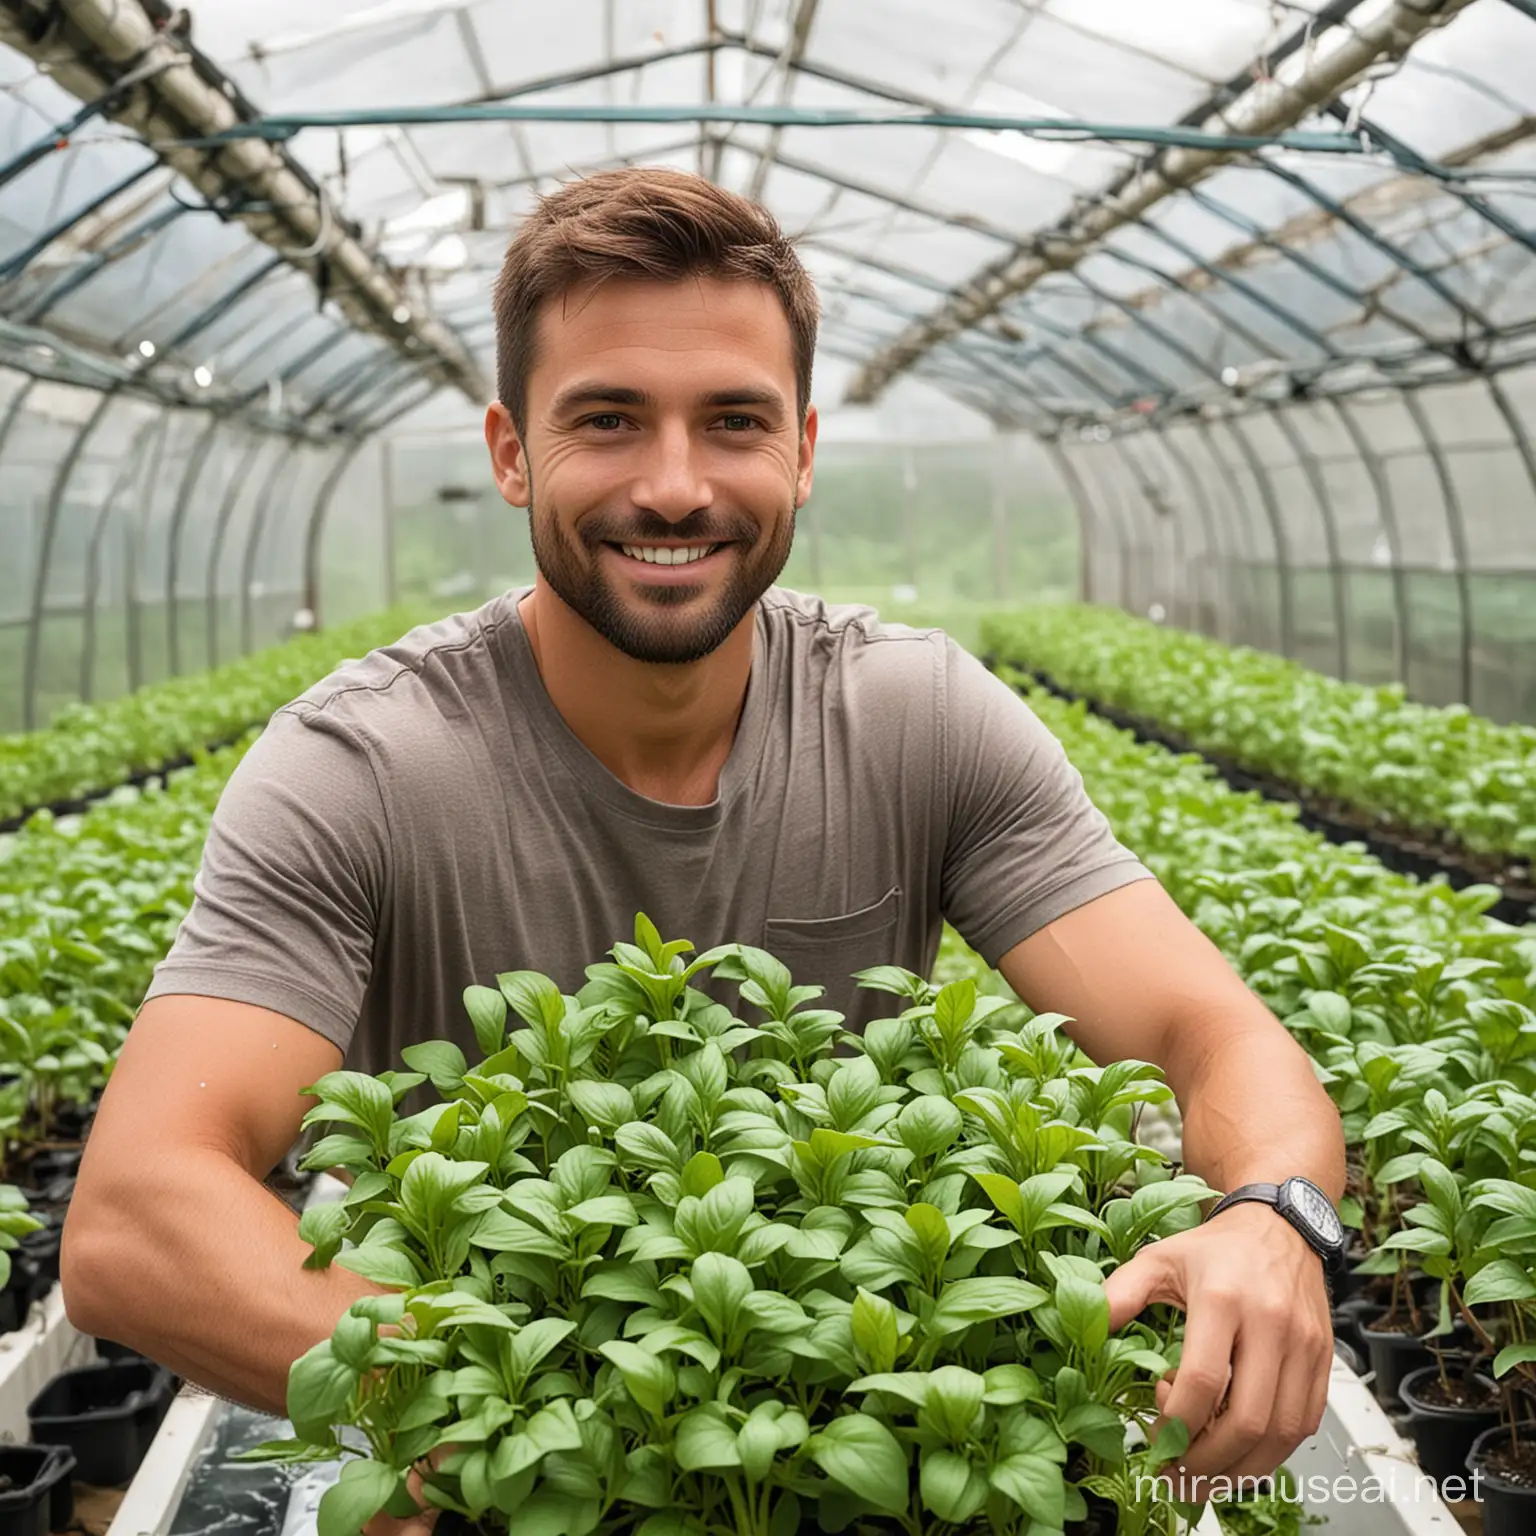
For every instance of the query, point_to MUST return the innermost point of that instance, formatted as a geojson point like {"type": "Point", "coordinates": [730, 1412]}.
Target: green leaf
{"type": "Point", "coordinates": [648, 1377]}
{"type": "Point", "coordinates": [1084, 1311]}
{"type": "Point", "coordinates": [355, 1099]}
{"type": "Point", "coordinates": [535, 999]}
{"type": "Point", "coordinates": [487, 1010]}
{"type": "Point", "coordinates": [441, 1060]}
{"type": "Point", "coordinates": [1511, 1356]}
{"type": "Point", "coordinates": [362, 1490]}
{"type": "Point", "coordinates": [533, 1341]}
{"type": "Point", "coordinates": [382, 1265]}
{"type": "Point", "coordinates": [702, 1173]}
{"type": "Point", "coordinates": [1502, 1280]}
{"type": "Point", "coordinates": [705, 1439]}
{"type": "Point", "coordinates": [929, 1125]}
{"type": "Point", "coordinates": [860, 1454]}
{"type": "Point", "coordinates": [324, 1227]}
{"type": "Point", "coordinates": [965, 1302]}
{"type": "Point", "coordinates": [1036, 1485]}
{"type": "Point", "coordinates": [1169, 1443]}
{"type": "Point", "coordinates": [320, 1391]}
{"type": "Point", "coordinates": [720, 1285]}
{"type": "Point", "coordinates": [952, 1488]}
{"type": "Point", "coordinates": [876, 1335]}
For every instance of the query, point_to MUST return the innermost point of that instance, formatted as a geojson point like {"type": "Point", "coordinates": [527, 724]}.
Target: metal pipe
{"type": "Point", "coordinates": [1267, 107]}
{"type": "Point", "coordinates": [238, 483]}
{"type": "Point", "coordinates": [284, 461]}
{"type": "Point", "coordinates": [1456, 528]}
{"type": "Point", "coordinates": [195, 462]}
{"type": "Point", "coordinates": [318, 512]}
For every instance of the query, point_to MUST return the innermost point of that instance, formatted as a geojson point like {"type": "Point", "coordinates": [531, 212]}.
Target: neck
{"type": "Point", "coordinates": [665, 731]}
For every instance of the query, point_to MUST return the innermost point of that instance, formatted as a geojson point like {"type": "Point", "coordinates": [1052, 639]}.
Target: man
{"type": "Point", "coordinates": [654, 726]}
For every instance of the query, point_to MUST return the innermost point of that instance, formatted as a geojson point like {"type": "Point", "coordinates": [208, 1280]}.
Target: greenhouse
{"type": "Point", "coordinates": [768, 766]}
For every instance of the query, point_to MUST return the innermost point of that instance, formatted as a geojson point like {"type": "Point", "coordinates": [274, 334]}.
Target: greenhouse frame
{"type": "Point", "coordinates": [1288, 393]}
{"type": "Point", "coordinates": [961, 964]}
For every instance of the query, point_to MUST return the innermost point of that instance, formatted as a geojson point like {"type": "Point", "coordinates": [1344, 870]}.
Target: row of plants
{"type": "Point", "coordinates": [92, 747]}
{"type": "Point", "coordinates": [1418, 1013]}
{"type": "Point", "coordinates": [1371, 750]}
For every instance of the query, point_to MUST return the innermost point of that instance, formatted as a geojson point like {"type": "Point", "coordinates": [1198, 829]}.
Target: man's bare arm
{"type": "Point", "coordinates": [173, 1245]}
{"type": "Point", "coordinates": [1142, 981]}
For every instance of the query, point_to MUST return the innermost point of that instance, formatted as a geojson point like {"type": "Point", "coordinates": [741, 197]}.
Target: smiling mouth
{"type": "Point", "coordinates": [667, 554]}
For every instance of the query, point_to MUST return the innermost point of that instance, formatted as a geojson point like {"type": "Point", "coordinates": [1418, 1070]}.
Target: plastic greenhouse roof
{"type": "Point", "coordinates": [1284, 269]}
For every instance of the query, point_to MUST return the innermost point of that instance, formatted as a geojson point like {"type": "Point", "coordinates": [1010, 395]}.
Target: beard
{"type": "Point", "coordinates": [658, 624]}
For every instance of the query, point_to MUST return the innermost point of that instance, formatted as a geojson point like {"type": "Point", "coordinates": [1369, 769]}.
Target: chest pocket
{"type": "Point", "coordinates": [828, 950]}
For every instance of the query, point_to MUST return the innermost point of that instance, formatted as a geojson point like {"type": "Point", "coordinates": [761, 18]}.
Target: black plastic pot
{"type": "Point", "coordinates": [37, 1495]}
{"type": "Point", "coordinates": [107, 1349]}
{"type": "Point", "coordinates": [29, 1282]}
{"type": "Point", "coordinates": [1507, 1508]}
{"type": "Point", "coordinates": [1345, 1351]}
{"type": "Point", "coordinates": [1393, 1356]}
{"type": "Point", "coordinates": [56, 1163]}
{"type": "Point", "coordinates": [1444, 1435]}
{"type": "Point", "coordinates": [106, 1414]}
{"type": "Point", "coordinates": [1346, 1322]}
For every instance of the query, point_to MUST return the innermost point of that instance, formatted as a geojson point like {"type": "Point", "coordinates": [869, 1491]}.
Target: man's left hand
{"type": "Point", "coordinates": [1252, 1381]}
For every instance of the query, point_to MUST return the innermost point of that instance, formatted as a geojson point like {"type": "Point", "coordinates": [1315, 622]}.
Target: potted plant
{"type": "Point", "coordinates": [652, 1267]}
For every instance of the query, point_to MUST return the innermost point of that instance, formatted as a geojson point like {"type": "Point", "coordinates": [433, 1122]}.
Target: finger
{"type": "Point", "coordinates": [1257, 1364]}
{"type": "Point", "coordinates": [1147, 1278]}
{"type": "Point", "coordinates": [1162, 1391]}
{"type": "Point", "coordinates": [1300, 1403]}
{"type": "Point", "coordinates": [1205, 1364]}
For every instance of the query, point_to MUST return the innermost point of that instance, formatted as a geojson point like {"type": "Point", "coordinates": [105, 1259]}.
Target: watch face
{"type": "Point", "coordinates": [1316, 1210]}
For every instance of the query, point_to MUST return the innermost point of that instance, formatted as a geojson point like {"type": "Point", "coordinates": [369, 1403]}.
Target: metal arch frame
{"type": "Point", "coordinates": [1283, 569]}
{"type": "Point", "coordinates": [32, 653]}
{"type": "Point", "coordinates": [1394, 253]}
{"type": "Point", "coordinates": [13, 266]}
{"type": "Point", "coordinates": [284, 461]}
{"type": "Point", "coordinates": [197, 460]}
{"type": "Point", "coordinates": [319, 512]}
{"type": "Point", "coordinates": [1263, 237]}
{"type": "Point", "coordinates": [1213, 526]}
{"type": "Point", "coordinates": [1456, 528]}
{"type": "Point", "coordinates": [1248, 557]}
{"type": "Point", "coordinates": [1307, 461]}
{"type": "Point", "coordinates": [1087, 518]}
{"type": "Point", "coordinates": [1386, 511]}
{"type": "Point", "coordinates": [1121, 442]}
{"type": "Point", "coordinates": [1104, 495]}
{"type": "Point", "coordinates": [131, 466]}
{"type": "Point", "coordinates": [1506, 408]}
{"type": "Point", "coordinates": [147, 229]}
{"type": "Point", "coordinates": [239, 482]}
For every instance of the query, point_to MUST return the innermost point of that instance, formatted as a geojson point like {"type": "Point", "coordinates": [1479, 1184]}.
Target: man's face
{"type": "Point", "coordinates": [664, 459]}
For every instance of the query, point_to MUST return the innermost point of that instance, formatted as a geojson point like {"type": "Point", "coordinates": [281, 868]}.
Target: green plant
{"type": "Point", "coordinates": [1371, 748]}
{"type": "Point", "coordinates": [15, 1223]}
{"type": "Point", "coordinates": [652, 1266]}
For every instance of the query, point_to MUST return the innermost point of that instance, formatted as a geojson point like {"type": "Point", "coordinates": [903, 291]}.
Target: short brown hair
{"type": "Point", "coordinates": [646, 222]}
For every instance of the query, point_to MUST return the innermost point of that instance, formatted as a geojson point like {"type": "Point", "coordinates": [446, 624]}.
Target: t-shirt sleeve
{"type": "Point", "coordinates": [1026, 845]}
{"type": "Point", "coordinates": [286, 902]}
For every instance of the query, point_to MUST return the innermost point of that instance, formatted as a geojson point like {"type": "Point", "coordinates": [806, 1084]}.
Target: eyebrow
{"type": "Point", "coordinates": [597, 393]}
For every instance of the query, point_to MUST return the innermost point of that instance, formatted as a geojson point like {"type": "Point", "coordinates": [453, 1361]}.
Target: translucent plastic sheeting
{"type": "Point", "coordinates": [925, 532]}
{"type": "Point", "coordinates": [1390, 535]}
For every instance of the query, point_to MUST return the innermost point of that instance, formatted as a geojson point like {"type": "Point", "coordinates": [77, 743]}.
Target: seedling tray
{"type": "Point", "coordinates": [40, 1497]}
{"type": "Point", "coordinates": [106, 1413]}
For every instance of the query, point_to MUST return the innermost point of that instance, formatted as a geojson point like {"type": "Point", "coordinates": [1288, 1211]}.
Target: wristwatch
{"type": "Point", "coordinates": [1307, 1209]}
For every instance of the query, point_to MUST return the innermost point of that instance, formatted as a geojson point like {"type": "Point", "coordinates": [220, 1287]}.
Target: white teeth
{"type": "Point", "coordinates": [654, 554]}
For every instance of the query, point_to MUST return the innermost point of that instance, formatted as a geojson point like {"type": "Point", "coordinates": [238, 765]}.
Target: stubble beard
{"type": "Point", "coordinates": [650, 625]}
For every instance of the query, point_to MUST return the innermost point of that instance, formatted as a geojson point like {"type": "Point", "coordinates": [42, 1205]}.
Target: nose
{"type": "Point", "coordinates": [671, 481]}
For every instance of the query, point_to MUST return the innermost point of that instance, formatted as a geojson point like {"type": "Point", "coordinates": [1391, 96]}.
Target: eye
{"type": "Point", "coordinates": [605, 421]}
{"type": "Point", "coordinates": [739, 423]}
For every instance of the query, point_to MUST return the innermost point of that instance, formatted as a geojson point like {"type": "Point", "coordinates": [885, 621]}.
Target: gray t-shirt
{"type": "Point", "coordinates": [424, 819]}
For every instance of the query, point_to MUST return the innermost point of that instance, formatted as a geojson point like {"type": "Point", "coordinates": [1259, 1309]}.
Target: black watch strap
{"type": "Point", "coordinates": [1333, 1257]}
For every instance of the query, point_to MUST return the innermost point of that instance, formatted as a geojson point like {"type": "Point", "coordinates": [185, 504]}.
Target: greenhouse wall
{"type": "Point", "coordinates": [145, 541]}
{"type": "Point", "coordinates": [933, 532]}
{"type": "Point", "coordinates": [1378, 536]}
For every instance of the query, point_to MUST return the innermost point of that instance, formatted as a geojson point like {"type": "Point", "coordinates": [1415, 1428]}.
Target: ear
{"type": "Point", "coordinates": [509, 461]}
{"type": "Point", "coordinates": [806, 471]}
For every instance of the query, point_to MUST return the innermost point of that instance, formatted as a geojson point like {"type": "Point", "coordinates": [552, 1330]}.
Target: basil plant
{"type": "Point", "coordinates": [652, 1267]}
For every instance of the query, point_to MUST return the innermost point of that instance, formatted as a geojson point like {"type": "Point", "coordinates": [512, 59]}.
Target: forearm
{"type": "Point", "coordinates": [1254, 1111]}
{"type": "Point", "coordinates": [196, 1264]}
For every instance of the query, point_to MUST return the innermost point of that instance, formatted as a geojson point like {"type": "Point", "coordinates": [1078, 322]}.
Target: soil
{"type": "Point", "coordinates": [1456, 1393]}
{"type": "Point", "coordinates": [1402, 1325]}
{"type": "Point", "coordinates": [1415, 851]}
{"type": "Point", "coordinates": [1513, 1465]}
